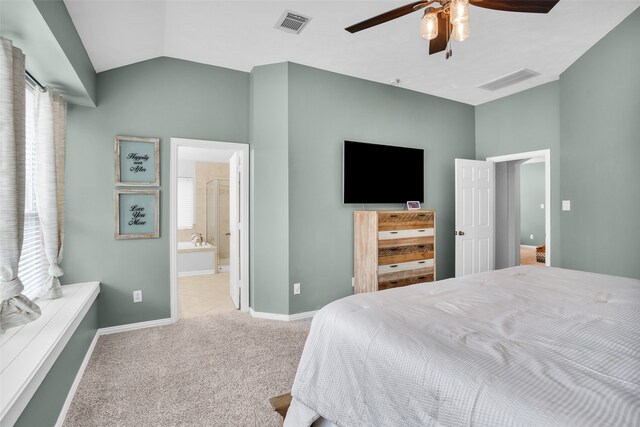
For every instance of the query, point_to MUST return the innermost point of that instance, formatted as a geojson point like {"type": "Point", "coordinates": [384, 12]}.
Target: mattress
{"type": "Point", "coordinates": [524, 346]}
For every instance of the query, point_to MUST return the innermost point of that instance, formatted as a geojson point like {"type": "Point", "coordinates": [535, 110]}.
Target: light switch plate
{"type": "Point", "coordinates": [296, 288]}
{"type": "Point", "coordinates": [137, 296]}
{"type": "Point", "coordinates": [566, 205]}
{"type": "Point", "coordinates": [541, 205]}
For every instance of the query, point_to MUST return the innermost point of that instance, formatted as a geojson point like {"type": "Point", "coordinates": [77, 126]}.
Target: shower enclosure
{"type": "Point", "coordinates": [218, 219]}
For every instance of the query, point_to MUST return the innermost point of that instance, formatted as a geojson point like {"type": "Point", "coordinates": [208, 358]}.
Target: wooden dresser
{"type": "Point", "coordinates": [393, 249]}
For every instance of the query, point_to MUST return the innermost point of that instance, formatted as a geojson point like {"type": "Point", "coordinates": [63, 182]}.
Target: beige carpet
{"type": "Point", "coordinates": [217, 370]}
{"type": "Point", "coordinates": [202, 295]}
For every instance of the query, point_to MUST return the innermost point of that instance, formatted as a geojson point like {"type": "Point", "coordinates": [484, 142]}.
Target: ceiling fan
{"type": "Point", "coordinates": [445, 18]}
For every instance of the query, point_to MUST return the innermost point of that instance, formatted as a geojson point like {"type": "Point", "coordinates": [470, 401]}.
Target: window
{"type": "Point", "coordinates": [185, 203]}
{"type": "Point", "coordinates": [33, 268]}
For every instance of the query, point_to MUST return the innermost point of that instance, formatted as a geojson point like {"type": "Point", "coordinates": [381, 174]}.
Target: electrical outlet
{"type": "Point", "coordinates": [531, 236]}
{"type": "Point", "coordinates": [296, 288]}
{"type": "Point", "coordinates": [541, 205]}
{"type": "Point", "coordinates": [137, 296]}
{"type": "Point", "coordinates": [566, 205]}
{"type": "Point", "coordinates": [353, 282]}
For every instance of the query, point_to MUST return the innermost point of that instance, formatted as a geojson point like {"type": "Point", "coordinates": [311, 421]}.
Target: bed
{"type": "Point", "coordinates": [524, 346]}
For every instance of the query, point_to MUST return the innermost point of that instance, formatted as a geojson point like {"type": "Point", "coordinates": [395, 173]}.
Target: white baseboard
{"type": "Point", "coordinates": [87, 357]}
{"type": "Point", "coordinates": [283, 317]}
{"type": "Point", "coordinates": [196, 273]}
{"type": "Point", "coordinates": [134, 326]}
{"type": "Point", "coordinates": [76, 381]}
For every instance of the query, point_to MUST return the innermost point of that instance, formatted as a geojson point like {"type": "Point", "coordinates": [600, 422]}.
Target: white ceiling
{"type": "Point", "coordinates": [241, 35]}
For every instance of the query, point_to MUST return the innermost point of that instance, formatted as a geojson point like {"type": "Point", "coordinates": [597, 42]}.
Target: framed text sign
{"type": "Point", "coordinates": [137, 214]}
{"type": "Point", "coordinates": [137, 161]}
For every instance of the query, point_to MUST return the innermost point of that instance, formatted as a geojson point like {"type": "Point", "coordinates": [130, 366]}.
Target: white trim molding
{"type": "Point", "coordinates": [29, 351]}
{"type": "Point", "coordinates": [282, 317]}
{"type": "Point", "coordinates": [539, 156]}
{"type": "Point", "coordinates": [134, 326]}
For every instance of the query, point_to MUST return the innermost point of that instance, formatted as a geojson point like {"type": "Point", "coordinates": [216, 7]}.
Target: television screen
{"type": "Point", "coordinates": [374, 173]}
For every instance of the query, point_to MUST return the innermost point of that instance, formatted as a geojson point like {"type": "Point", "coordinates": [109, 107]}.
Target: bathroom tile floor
{"type": "Point", "coordinates": [203, 295]}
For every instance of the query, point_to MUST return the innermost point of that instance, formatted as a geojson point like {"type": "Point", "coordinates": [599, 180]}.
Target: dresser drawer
{"type": "Point", "coordinates": [404, 234]}
{"type": "Point", "coordinates": [404, 220]}
{"type": "Point", "coordinates": [405, 253]}
{"type": "Point", "coordinates": [398, 283]}
{"type": "Point", "coordinates": [404, 278]}
{"type": "Point", "coordinates": [403, 266]}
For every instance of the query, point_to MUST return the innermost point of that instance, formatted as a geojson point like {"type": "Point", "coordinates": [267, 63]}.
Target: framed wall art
{"type": "Point", "coordinates": [137, 161]}
{"type": "Point", "coordinates": [137, 214]}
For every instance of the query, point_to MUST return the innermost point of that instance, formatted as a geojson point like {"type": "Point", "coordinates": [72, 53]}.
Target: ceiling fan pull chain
{"type": "Point", "coordinates": [449, 52]}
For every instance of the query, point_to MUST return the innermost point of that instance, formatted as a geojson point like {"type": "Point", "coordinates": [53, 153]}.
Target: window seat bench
{"type": "Point", "coordinates": [28, 352]}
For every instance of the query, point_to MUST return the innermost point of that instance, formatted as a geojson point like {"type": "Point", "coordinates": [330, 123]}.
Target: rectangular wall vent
{"type": "Point", "coordinates": [509, 79]}
{"type": "Point", "coordinates": [292, 22]}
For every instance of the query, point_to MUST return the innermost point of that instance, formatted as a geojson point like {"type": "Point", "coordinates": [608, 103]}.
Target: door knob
{"type": "Point", "coordinates": [460, 233]}
{"type": "Point", "coordinates": [227, 234]}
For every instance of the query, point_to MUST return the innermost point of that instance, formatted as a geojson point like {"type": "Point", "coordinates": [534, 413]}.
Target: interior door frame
{"type": "Point", "coordinates": [546, 154]}
{"type": "Point", "coordinates": [242, 148]}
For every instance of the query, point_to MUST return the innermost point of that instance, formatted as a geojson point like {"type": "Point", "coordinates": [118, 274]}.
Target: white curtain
{"type": "Point", "coordinates": [50, 130]}
{"type": "Point", "coordinates": [15, 308]}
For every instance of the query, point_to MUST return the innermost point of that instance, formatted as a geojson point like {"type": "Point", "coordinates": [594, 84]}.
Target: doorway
{"type": "Point", "coordinates": [209, 227]}
{"type": "Point", "coordinates": [523, 209]}
{"type": "Point", "coordinates": [487, 212]}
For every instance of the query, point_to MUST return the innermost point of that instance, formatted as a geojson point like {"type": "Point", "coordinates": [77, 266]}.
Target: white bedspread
{"type": "Point", "coordinates": [525, 346]}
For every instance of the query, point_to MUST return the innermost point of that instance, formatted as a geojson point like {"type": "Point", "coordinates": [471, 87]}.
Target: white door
{"type": "Point", "coordinates": [475, 206]}
{"type": "Point", "coordinates": [235, 227]}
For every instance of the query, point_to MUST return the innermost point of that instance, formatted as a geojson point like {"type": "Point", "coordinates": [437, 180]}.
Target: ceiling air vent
{"type": "Point", "coordinates": [292, 22]}
{"type": "Point", "coordinates": [509, 79]}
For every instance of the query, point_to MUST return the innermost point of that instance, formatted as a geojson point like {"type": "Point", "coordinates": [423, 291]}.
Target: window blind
{"type": "Point", "coordinates": [185, 203]}
{"type": "Point", "coordinates": [33, 267]}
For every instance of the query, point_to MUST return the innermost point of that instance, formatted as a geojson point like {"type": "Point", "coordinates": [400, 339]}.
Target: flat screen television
{"type": "Point", "coordinates": [374, 173]}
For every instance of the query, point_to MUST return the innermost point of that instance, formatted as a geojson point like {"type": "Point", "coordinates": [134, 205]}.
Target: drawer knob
{"type": "Point", "coordinates": [393, 216]}
{"type": "Point", "coordinates": [421, 231]}
{"type": "Point", "coordinates": [393, 266]}
{"type": "Point", "coordinates": [394, 232]}
{"type": "Point", "coordinates": [421, 262]}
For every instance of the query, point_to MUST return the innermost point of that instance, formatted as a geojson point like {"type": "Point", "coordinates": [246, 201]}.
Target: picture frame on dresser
{"type": "Point", "coordinates": [137, 161]}
{"type": "Point", "coordinates": [137, 214]}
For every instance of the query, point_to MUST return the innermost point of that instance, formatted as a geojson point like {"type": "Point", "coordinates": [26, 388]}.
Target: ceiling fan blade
{"type": "Point", "coordinates": [440, 42]}
{"type": "Point", "coordinates": [529, 6]}
{"type": "Point", "coordinates": [387, 16]}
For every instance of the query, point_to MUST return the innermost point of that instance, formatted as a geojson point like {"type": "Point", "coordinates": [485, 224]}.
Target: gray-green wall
{"type": "Point", "coordinates": [589, 120]}
{"type": "Point", "coordinates": [269, 192]}
{"type": "Point", "coordinates": [531, 197]}
{"type": "Point", "coordinates": [526, 121]}
{"type": "Point", "coordinates": [325, 109]}
{"type": "Point", "coordinates": [600, 134]}
{"type": "Point", "coordinates": [45, 405]}
{"type": "Point", "coordinates": [161, 98]}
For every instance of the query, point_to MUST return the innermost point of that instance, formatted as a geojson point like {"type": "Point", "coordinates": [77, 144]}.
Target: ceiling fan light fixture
{"type": "Point", "coordinates": [459, 11]}
{"type": "Point", "coordinates": [429, 25]}
{"type": "Point", "coordinates": [461, 31]}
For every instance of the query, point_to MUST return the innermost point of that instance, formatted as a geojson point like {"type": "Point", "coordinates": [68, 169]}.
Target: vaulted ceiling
{"type": "Point", "coordinates": [241, 34]}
